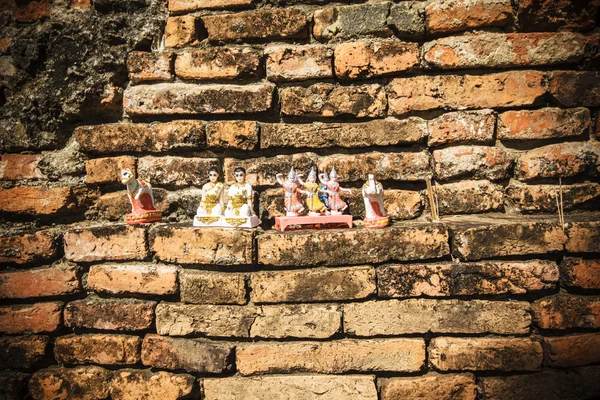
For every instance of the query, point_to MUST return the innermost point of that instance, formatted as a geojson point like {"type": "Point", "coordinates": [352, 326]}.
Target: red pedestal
{"type": "Point", "coordinates": [144, 216]}
{"type": "Point", "coordinates": [282, 223]}
{"type": "Point", "coordinates": [376, 223]}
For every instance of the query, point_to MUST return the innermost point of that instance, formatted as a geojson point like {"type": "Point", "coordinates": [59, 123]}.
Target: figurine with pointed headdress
{"type": "Point", "coordinates": [336, 204]}
{"type": "Point", "coordinates": [291, 187]}
{"type": "Point", "coordinates": [311, 190]}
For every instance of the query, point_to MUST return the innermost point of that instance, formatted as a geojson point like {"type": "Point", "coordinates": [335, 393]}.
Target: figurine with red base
{"type": "Point", "coordinates": [336, 204]}
{"type": "Point", "coordinates": [239, 212]}
{"type": "Point", "coordinates": [211, 205]}
{"type": "Point", "coordinates": [375, 215]}
{"type": "Point", "coordinates": [311, 190]}
{"type": "Point", "coordinates": [141, 198]}
{"type": "Point", "coordinates": [291, 187]}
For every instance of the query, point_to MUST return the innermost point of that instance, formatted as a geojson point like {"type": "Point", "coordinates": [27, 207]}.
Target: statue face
{"type": "Point", "coordinates": [213, 176]}
{"type": "Point", "coordinates": [126, 175]}
{"type": "Point", "coordinates": [240, 177]}
{"type": "Point", "coordinates": [371, 177]}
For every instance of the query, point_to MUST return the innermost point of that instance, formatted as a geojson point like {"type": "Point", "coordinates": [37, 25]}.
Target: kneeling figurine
{"type": "Point", "coordinates": [211, 205]}
{"type": "Point", "coordinates": [141, 198]}
{"type": "Point", "coordinates": [375, 215]}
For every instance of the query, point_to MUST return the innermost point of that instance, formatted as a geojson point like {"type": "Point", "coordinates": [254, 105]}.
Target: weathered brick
{"type": "Point", "coordinates": [277, 321]}
{"type": "Point", "coordinates": [397, 317]}
{"type": "Point", "coordinates": [399, 355]}
{"type": "Point", "coordinates": [462, 127]}
{"type": "Point", "coordinates": [477, 162]}
{"type": "Point", "coordinates": [242, 135]}
{"type": "Point", "coordinates": [562, 312]}
{"type": "Point", "coordinates": [191, 355]}
{"type": "Point", "coordinates": [193, 5]}
{"type": "Point", "coordinates": [113, 206]}
{"type": "Point", "coordinates": [583, 234]}
{"type": "Point", "coordinates": [144, 384]}
{"type": "Point", "coordinates": [352, 21]}
{"type": "Point", "coordinates": [329, 100]}
{"type": "Point", "coordinates": [191, 99]}
{"type": "Point", "coordinates": [575, 88]}
{"type": "Point", "coordinates": [413, 241]}
{"type": "Point", "coordinates": [551, 15]}
{"type": "Point", "coordinates": [466, 279]}
{"type": "Point", "coordinates": [175, 171]}
{"type": "Point", "coordinates": [13, 385]}
{"type": "Point", "coordinates": [261, 171]}
{"type": "Point", "coordinates": [110, 314]}
{"type": "Point", "coordinates": [60, 279]}
{"type": "Point", "coordinates": [181, 31]}
{"type": "Point", "coordinates": [133, 278]}
{"type": "Point", "coordinates": [108, 243]}
{"type": "Point", "coordinates": [26, 248]}
{"type": "Point", "coordinates": [429, 387]}
{"type": "Point", "coordinates": [287, 387]}
{"type": "Point", "coordinates": [379, 132]}
{"type": "Point", "coordinates": [217, 63]}
{"type": "Point", "coordinates": [80, 383]}
{"type": "Point", "coordinates": [98, 348]}
{"type": "Point", "coordinates": [545, 123]}
{"type": "Point", "coordinates": [188, 245]}
{"type": "Point", "coordinates": [278, 23]}
{"type": "Point", "coordinates": [476, 238]}
{"type": "Point", "coordinates": [44, 201]}
{"type": "Point", "coordinates": [580, 383]}
{"type": "Point", "coordinates": [28, 12]}
{"type": "Point", "coordinates": [580, 273]}
{"type": "Point", "coordinates": [407, 19]}
{"type": "Point", "coordinates": [469, 197]}
{"type": "Point", "coordinates": [207, 287]}
{"type": "Point", "coordinates": [19, 166]}
{"type": "Point", "coordinates": [485, 354]}
{"type": "Point", "coordinates": [147, 67]}
{"type": "Point", "coordinates": [141, 138]}
{"type": "Point", "coordinates": [367, 59]}
{"type": "Point", "coordinates": [330, 284]}
{"type": "Point", "coordinates": [30, 318]}
{"type": "Point", "coordinates": [298, 63]}
{"type": "Point", "coordinates": [444, 16]}
{"type": "Point", "coordinates": [22, 351]}
{"type": "Point", "coordinates": [556, 160]}
{"type": "Point", "coordinates": [494, 50]}
{"type": "Point", "coordinates": [108, 169]}
{"type": "Point", "coordinates": [499, 90]}
{"type": "Point", "coordinates": [542, 198]}
{"type": "Point", "coordinates": [572, 350]}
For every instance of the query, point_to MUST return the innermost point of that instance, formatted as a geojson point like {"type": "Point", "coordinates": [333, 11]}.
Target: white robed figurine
{"type": "Point", "coordinates": [375, 215]}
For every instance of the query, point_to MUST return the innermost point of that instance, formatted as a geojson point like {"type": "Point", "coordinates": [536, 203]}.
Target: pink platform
{"type": "Point", "coordinates": [282, 223]}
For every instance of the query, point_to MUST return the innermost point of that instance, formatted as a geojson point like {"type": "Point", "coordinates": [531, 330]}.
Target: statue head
{"type": "Point", "coordinates": [213, 174]}
{"type": "Point", "coordinates": [240, 175]}
{"type": "Point", "coordinates": [126, 176]}
{"type": "Point", "coordinates": [333, 175]}
{"type": "Point", "coordinates": [371, 177]}
{"type": "Point", "coordinates": [312, 175]}
{"type": "Point", "coordinates": [292, 175]}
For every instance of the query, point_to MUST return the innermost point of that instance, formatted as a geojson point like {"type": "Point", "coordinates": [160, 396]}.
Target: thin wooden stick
{"type": "Point", "coordinates": [562, 210]}
{"type": "Point", "coordinates": [435, 197]}
{"type": "Point", "coordinates": [432, 204]}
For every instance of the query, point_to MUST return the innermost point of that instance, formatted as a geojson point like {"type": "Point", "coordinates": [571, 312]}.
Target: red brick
{"type": "Point", "coordinates": [175, 171]}
{"type": "Point", "coordinates": [242, 135]}
{"type": "Point", "coordinates": [572, 350]}
{"type": "Point", "coordinates": [367, 59]}
{"type": "Point", "coordinates": [209, 287]}
{"type": "Point", "coordinates": [261, 171]}
{"type": "Point", "coordinates": [498, 50]}
{"type": "Point", "coordinates": [110, 314]}
{"type": "Point", "coordinates": [101, 348]}
{"type": "Point", "coordinates": [469, 197]}
{"type": "Point", "coordinates": [430, 386]}
{"type": "Point", "coordinates": [562, 312]}
{"type": "Point", "coordinates": [193, 5]}
{"type": "Point", "coordinates": [181, 31]}
{"type": "Point", "coordinates": [190, 99]}
{"type": "Point", "coordinates": [552, 15]}
{"type": "Point", "coordinates": [31, 11]}
{"type": "Point", "coordinates": [556, 160]}
{"type": "Point", "coordinates": [30, 318]}
{"type": "Point", "coordinates": [108, 169]}
{"type": "Point", "coordinates": [23, 249]}
{"type": "Point", "coordinates": [485, 354]}
{"type": "Point", "coordinates": [477, 162]}
{"type": "Point", "coordinates": [132, 384]}
{"type": "Point", "coordinates": [61, 279]}
{"type": "Point", "coordinates": [462, 127]}
{"type": "Point", "coordinates": [19, 166]}
{"type": "Point", "coordinates": [545, 123]}
{"type": "Point", "coordinates": [141, 138]}
{"type": "Point", "coordinates": [343, 21]}
{"type": "Point", "coordinates": [110, 243]}
{"type": "Point", "coordinates": [499, 90]}
{"type": "Point", "coordinates": [279, 23]}
{"type": "Point", "coordinates": [80, 383]}
{"type": "Point", "coordinates": [584, 234]}
{"type": "Point", "coordinates": [217, 63]}
{"type": "Point", "coordinates": [43, 201]}
{"type": "Point", "coordinates": [298, 63]}
{"type": "Point", "coordinates": [542, 198]}
{"type": "Point", "coordinates": [133, 279]}
{"type": "Point", "coordinates": [147, 67]}
{"type": "Point", "coordinates": [444, 16]}
{"type": "Point", "coordinates": [580, 273]}
{"type": "Point", "coordinates": [573, 88]}
{"type": "Point", "coordinates": [22, 351]}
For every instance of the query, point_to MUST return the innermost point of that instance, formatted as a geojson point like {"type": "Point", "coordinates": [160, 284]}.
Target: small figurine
{"type": "Point", "coordinates": [336, 204]}
{"type": "Point", "coordinates": [141, 198]}
{"type": "Point", "coordinates": [211, 205]}
{"type": "Point", "coordinates": [375, 215]}
{"type": "Point", "coordinates": [323, 196]}
{"type": "Point", "coordinates": [293, 204]}
{"type": "Point", "coordinates": [312, 190]}
{"type": "Point", "coordinates": [239, 211]}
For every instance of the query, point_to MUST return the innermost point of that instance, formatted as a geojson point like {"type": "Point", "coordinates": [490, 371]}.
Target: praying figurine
{"type": "Point", "coordinates": [211, 205]}
{"type": "Point", "coordinates": [336, 204]}
{"type": "Point", "coordinates": [312, 191]}
{"type": "Point", "coordinates": [375, 215]}
{"type": "Point", "coordinates": [239, 211]}
{"type": "Point", "coordinates": [293, 204]}
{"type": "Point", "coordinates": [141, 198]}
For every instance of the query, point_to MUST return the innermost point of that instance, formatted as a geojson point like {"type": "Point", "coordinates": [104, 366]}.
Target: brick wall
{"type": "Point", "coordinates": [494, 100]}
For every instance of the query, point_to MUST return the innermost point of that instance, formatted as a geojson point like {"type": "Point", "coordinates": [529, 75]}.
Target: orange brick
{"type": "Point", "coordinates": [108, 169]}
{"type": "Point", "coordinates": [58, 280]}
{"type": "Point", "coordinates": [19, 166]}
{"type": "Point", "coordinates": [444, 16]}
{"type": "Point", "coordinates": [43, 201]}
{"type": "Point", "coordinates": [180, 31]}
{"type": "Point", "coordinates": [217, 63]}
{"type": "Point", "coordinates": [146, 67]}
{"type": "Point", "coordinates": [110, 243]}
{"type": "Point", "coordinates": [30, 318]}
{"type": "Point", "coordinates": [298, 63]}
{"type": "Point", "coordinates": [26, 248]}
{"type": "Point", "coordinates": [110, 314]}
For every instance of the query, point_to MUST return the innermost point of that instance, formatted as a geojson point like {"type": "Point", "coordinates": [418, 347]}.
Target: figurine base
{"type": "Point", "coordinates": [226, 222]}
{"type": "Point", "coordinates": [207, 220]}
{"type": "Point", "coordinates": [143, 218]}
{"type": "Point", "coordinates": [377, 222]}
{"type": "Point", "coordinates": [282, 223]}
